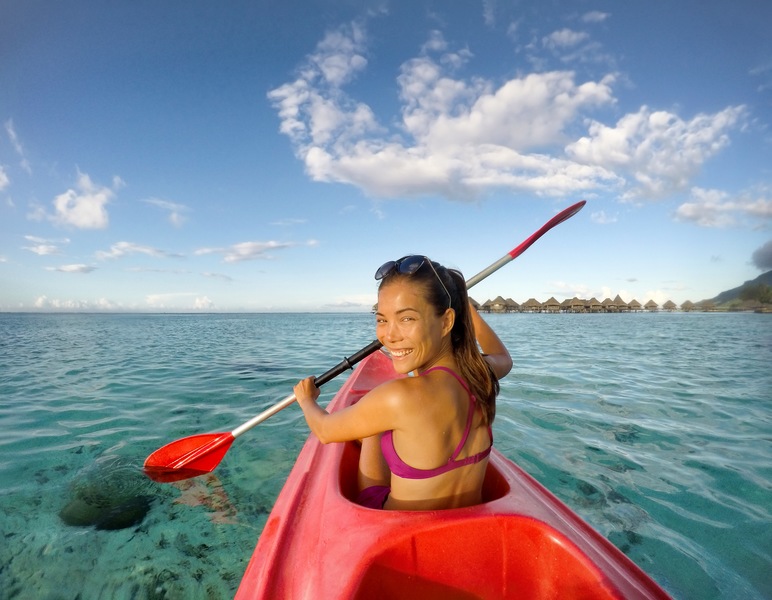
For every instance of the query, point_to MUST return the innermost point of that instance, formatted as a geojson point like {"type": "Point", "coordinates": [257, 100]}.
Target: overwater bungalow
{"type": "Point", "coordinates": [576, 305]}
{"type": "Point", "coordinates": [617, 305]}
{"type": "Point", "coordinates": [551, 305]}
{"type": "Point", "coordinates": [609, 305]}
{"type": "Point", "coordinates": [592, 305]}
{"type": "Point", "coordinates": [499, 304]}
{"type": "Point", "coordinates": [531, 305]}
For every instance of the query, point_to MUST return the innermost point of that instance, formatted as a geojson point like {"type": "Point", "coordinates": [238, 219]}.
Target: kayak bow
{"type": "Point", "coordinates": [520, 542]}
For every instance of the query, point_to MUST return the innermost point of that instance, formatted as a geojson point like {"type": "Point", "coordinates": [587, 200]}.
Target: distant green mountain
{"type": "Point", "coordinates": [734, 294]}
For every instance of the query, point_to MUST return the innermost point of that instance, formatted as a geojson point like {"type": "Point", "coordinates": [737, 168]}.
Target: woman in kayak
{"type": "Point", "coordinates": [425, 439]}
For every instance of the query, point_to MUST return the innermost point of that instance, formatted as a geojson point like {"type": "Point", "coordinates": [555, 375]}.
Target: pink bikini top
{"type": "Point", "coordinates": [402, 469]}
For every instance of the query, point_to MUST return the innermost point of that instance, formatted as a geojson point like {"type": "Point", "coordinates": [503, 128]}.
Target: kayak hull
{"type": "Point", "coordinates": [521, 542]}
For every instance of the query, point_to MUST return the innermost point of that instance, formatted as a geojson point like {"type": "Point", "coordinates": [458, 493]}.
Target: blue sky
{"type": "Point", "coordinates": [262, 156]}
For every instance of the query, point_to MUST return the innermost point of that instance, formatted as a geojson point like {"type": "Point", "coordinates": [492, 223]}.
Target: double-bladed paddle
{"type": "Point", "coordinates": [199, 454]}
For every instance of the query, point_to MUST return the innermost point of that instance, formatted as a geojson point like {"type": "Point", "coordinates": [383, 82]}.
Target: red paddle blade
{"type": "Point", "coordinates": [162, 475]}
{"type": "Point", "coordinates": [563, 215]}
{"type": "Point", "coordinates": [188, 457]}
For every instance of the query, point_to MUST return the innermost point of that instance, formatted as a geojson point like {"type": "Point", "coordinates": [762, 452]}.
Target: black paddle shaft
{"type": "Point", "coordinates": [347, 363]}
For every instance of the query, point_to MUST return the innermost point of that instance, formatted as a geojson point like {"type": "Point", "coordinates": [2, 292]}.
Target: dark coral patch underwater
{"type": "Point", "coordinates": [110, 495]}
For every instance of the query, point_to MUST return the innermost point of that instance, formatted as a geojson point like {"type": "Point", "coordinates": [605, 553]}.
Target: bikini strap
{"type": "Point", "coordinates": [456, 375]}
{"type": "Point", "coordinates": [470, 414]}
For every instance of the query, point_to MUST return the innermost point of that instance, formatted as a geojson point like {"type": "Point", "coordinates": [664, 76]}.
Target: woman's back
{"type": "Point", "coordinates": [438, 455]}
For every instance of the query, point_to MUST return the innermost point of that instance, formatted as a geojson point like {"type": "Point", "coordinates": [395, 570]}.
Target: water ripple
{"type": "Point", "coordinates": [655, 428]}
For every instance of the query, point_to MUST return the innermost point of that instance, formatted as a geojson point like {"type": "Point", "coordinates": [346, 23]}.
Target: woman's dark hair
{"type": "Point", "coordinates": [471, 364]}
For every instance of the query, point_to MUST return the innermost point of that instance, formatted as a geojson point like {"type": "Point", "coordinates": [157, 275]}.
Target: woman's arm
{"type": "Point", "coordinates": [377, 411]}
{"type": "Point", "coordinates": [496, 353]}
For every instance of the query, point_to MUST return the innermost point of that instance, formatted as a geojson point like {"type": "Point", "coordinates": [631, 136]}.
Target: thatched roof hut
{"type": "Point", "coordinates": [531, 305]}
{"type": "Point", "coordinates": [592, 305]}
{"type": "Point", "coordinates": [576, 304]}
{"type": "Point", "coordinates": [551, 305]}
{"type": "Point", "coordinates": [580, 305]}
{"type": "Point", "coordinates": [499, 304]}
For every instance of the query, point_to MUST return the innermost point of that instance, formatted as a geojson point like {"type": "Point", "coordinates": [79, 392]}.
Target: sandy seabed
{"type": "Point", "coordinates": [192, 543]}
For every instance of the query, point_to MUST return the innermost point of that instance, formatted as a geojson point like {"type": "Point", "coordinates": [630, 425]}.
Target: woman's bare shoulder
{"type": "Point", "coordinates": [399, 394]}
{"type": "Point", "coordinates": [394, 388]}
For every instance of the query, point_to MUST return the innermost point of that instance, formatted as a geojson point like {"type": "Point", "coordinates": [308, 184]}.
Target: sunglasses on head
{"type": "Point", "coordinates": [408, 265]}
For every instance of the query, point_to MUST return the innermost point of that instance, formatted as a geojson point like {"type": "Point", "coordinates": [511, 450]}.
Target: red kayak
{"type": "Point", "coordinates": [521, 542]}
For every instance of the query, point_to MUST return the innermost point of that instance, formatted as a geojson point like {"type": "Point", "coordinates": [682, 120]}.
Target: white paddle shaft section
{"type": "Point", "coordinates": [492, 269]}
{"type": "Point", "coordinates": [266, 414]}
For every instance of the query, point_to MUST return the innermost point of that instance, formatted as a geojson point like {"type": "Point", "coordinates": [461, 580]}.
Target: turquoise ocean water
{"type": "Point", "coordinates": [655, 428]}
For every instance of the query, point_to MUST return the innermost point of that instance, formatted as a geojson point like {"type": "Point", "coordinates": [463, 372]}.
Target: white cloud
{"type": "Point", "coordinates": [764, 73]}
{"type": "Point", "coordinates": [178, 301]}
{"type": "Point", "coordinates": [5, 181]}
{"type": "Point", "coordinates": [660, 151]}
{"type": "Point", "coordinates": [601, 218]}
{"type": "Point", "coordinates": [716, 208]}
{"type": "Point", "coordinates": [595, 16]}
{"type": "Point", "coordinates": [121, 249]}
{"type": "Point", "coordinates": [659, 296]}
{"type": "Point", "coordinates": [288, 222]}
{"type": "Point", "coordinates": [489, 12]}
{"type": "Point", "coordinates": [84, 206]}
{"type": "Point", "coordinates": [220, 276]}
{"type": "Point", "coordinates": [176, 211]}
{"type": "Point", "coordinates": [203, 303]}
{"type": "Point", "coordinates": [247, 250]}
{"type": "Point", "coordinates": [458, 138]}
{"type": "Point", "coordinates": [463, 137]}
{"type": "Point", "coordinates": [17, 147]}
{"type": "Point", "coordinates": [45, 303]}
{"type": "Point", "coordinates": [565, 38]}
{"type": "Point", "coordinates": [39, 240]}
{"type": "Point", "coordinates": [42, 249]}
{"type": "Point", "coordinates": [43, 246]}
{"type": "Point", "coordinates": [563, 289]}
{"type": "Point", "coordinates": [77, 268]}
{"type": "Point", "coordinates": [354, 302]}
{"type": "Point", "coordinates": [163, 300]}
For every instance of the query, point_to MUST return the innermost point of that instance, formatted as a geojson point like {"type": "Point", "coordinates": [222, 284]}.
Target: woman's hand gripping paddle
{"type": "Point", "coordinates": [199, 454]}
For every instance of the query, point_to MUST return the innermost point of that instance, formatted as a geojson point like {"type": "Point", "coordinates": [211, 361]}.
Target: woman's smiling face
{"type": "Point", "coordinates": [408, 327]}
